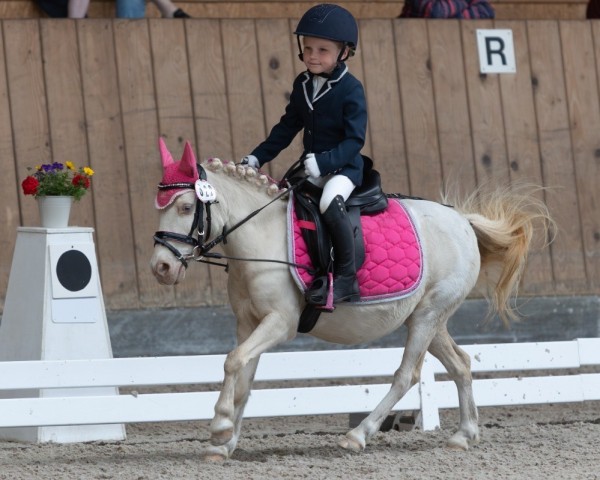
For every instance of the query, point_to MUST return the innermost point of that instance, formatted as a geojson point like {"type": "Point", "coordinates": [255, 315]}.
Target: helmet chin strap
{"type": "Point", "coordinates": [300, 54]}
{"type": "Point", "coordinates": [349, 53]}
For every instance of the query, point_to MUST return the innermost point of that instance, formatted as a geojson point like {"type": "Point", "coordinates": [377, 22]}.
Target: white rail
{"type": "Point", "coordinates": [36, 385]}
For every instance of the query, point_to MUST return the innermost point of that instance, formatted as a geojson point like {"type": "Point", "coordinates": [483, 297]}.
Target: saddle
{"type": "Point", "coordinates": [367, 199]}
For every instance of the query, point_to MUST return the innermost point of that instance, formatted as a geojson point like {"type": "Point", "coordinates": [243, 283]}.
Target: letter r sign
{"type": "Point", "coordinates": [496, 51]}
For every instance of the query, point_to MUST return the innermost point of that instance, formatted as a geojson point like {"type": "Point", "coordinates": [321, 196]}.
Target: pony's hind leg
{"type": "Point", "coordinates": [419, 335]}
{"type": "Point", "coordinates": [458, 365]}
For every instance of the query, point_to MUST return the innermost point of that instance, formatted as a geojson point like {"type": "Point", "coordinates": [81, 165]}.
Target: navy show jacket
{"type": "Point", "coordinates": [334, 123]}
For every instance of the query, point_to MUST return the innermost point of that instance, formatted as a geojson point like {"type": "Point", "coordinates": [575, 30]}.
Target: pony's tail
{"type": "Point", "coordinates": [504, 220]}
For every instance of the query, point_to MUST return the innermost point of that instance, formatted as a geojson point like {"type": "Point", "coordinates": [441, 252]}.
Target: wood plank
{"type": "Point", "coordinates": [13, 9]}
{"type": "Point", "coordinates": [418, 109]}
{"type": "Point", "coordinates": [523, 147]}
{"type": "Point", "coordinates": [505, 9]}
{"type": "Point", "coordinates": [278, 64]}
{"type": "Point", "coordinates": [596, 40]}
{"type": "Point", "coordinates": [176, 124]}
{"type": "Point", "coordinates": [273, 9]}
{"type": "Point", "coordinates": [451, 105]}
{"type": "Point", "coordinates": [186, 406]}
{"type": "Point", "coordinates": [386, 129]}
{"type": "Point", "coordinates": [519, 10]}
{"type": "Point", "coordinates": [10, 181]}
{"type": "Point", "coordinates": [114, 235]}
{"type": "Point", "coordinates": [207, 74]}
{"type": "Point", "coordinates": [323, 364]}
{"type": "Point", "coordinates": [66, 114]}
{"type": "Point", "coordinates": [28, 104]}
{"type": "Point", "coordinates": [29, 9]}
{"type": "Point", "coordinates": [140, 132]}
{"type": "Point", "coordinates": [356, 66]}
{"type": "Point", "coordinates": [211, 113]}
{"type": "Point", "coordinates": [485, 110]}
{"type": "Point", "coordinates": [277, 53]}
{"type": "Point", "coordinates": [556, 154]}
{"type": "Point", "coordinates": [582, 82]}
{"type": "Point", "coordinates": [246, 109]}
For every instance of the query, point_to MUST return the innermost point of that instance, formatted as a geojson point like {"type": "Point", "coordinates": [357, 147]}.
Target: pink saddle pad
{"type": "Point", "coordinates": [393, 264]}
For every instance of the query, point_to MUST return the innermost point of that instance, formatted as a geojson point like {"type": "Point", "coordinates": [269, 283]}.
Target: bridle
{"type": "Point", "coordinates": [197, 232]}
{"type": "Point", "coordinates": [201, 250]}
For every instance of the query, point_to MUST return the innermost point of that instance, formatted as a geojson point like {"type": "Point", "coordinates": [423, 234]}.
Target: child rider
{"type": "Point", "coordinates": [328, 103]}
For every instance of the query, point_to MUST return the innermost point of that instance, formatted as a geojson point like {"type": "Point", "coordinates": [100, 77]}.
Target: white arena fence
{"type": "Point", "coordinates": [428, 396]}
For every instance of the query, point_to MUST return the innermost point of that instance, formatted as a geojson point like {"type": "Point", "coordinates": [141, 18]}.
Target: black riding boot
{"type": "Point", "coordinates": [345, 285]}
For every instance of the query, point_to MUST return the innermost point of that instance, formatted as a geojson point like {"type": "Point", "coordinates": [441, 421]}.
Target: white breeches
{"type": "Point", "coordinates": [332, 187]}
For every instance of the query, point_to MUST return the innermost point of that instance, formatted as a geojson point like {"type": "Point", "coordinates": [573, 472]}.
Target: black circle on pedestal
{"type": "Point", "coordinates": [73, 270]}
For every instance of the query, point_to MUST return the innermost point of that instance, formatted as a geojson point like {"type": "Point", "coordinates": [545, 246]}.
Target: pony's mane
{"type": "Point", "coordinates": [243, 172]}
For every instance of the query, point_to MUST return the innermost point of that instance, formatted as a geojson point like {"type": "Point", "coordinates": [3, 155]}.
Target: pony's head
{"type": "Point", "coordinates": [176, 200]}
{"type": "Point", "coordinates": [184, 201]}
{"type": "Point", "coordinates": [182, 173]}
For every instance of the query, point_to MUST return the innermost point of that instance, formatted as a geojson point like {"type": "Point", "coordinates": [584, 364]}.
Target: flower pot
{"type": "Point", "coordinates": [54, 211]}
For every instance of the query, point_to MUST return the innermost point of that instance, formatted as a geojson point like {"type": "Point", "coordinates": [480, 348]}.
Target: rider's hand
{"type": "Point", "coordinates": [311, 167]}
{"type": "Point", "coordinates": [251, 161]}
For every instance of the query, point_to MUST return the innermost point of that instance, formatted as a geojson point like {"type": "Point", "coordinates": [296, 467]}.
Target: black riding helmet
{"type": "Point", "coordinates": [330, 22]}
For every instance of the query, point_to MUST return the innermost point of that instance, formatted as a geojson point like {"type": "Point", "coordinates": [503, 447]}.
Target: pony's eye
{"type": "Point", "coordinates": [186, 209]}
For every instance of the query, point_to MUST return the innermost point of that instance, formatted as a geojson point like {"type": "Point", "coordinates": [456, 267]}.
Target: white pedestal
{"type": "Point", "coordinates": [54, 310]}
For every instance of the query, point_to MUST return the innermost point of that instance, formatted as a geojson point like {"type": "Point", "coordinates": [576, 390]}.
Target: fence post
{"type": "Point", "coordinates": [429, 418]}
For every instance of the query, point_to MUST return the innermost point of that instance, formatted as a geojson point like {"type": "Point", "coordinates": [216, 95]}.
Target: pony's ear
{"type": "Point", "coordinates": [188, 166]}
{"type": "Point", "coordinates": [165, 155]}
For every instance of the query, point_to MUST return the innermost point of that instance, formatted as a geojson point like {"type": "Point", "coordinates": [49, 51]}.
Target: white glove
{"type": "Point", "coordinates": [311, 167]}
{"type": "Point", "coordinates": [251, 161]}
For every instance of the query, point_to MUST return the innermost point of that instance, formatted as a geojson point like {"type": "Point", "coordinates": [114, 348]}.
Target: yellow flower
{"type": "Point", "coordinates": [38, 167]}
{"type": "Point", "coordinates": [88, 171]}
{"type": "Point", "coordinates": [70, 165]}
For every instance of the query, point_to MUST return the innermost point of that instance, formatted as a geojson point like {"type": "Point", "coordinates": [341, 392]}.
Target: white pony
{"type": "Point", "coordinates": [460, 246]}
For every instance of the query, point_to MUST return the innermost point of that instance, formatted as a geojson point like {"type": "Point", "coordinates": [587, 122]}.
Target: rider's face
{"type": "Point", "coordinates": [320, 55]}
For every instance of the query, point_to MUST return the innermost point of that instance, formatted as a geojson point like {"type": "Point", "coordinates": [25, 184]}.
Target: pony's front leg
{"type": "Point", "coordinates": [236, 386]}
{"type": "Point", "coordinates": [219, 452]}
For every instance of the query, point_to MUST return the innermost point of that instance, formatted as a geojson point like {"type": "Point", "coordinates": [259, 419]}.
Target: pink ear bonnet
{"type": "Point", "coordinates": [185, 172]}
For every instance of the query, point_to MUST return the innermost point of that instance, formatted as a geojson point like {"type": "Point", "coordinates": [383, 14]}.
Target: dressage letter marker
{"type": "Point", "coordinates": [496, 51]}
{"type": "Point", "coordinates": [54, 310]}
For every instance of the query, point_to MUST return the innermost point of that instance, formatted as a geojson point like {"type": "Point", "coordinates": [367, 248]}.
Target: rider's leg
{"type": "Point", "coordinates": [334, 186]}
{"type": "Point", "coordinates": [337, 222]}
{"type": "Point", "coordinates": [345, 286]}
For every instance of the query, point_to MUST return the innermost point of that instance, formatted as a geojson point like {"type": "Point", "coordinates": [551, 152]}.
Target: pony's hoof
{"type": "Point", "coordinates": [352, 443]}
{"type": "Point", "coordinates": [459, 441]}
{"type": "Point", "coordinates": [214, 458]}
{"type": "Point", "coordinates": [215, 454]}
{"type": "Point", "coordinates": [221, 432]}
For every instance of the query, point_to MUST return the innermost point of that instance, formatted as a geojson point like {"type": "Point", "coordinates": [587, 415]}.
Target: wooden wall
{"type": "Point", "coordinates": [99, 92]}
{"type": "Point", "coordinates": [505, 9]}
